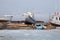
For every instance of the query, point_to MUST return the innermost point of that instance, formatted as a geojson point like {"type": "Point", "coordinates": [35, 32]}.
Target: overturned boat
{"type": "Point", "coordinates": [29, 18]}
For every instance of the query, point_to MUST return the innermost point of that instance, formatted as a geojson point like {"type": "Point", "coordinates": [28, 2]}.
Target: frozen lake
{"type": "Point", "coordinates": [29, 34]}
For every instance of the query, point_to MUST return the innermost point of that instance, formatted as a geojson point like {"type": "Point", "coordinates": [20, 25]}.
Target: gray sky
{"type": "Point", "coordinates": [41, 8]}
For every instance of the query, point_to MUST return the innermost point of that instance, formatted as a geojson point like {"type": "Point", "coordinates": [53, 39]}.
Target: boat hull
{"type": "Point", "coordinates": [54, 24]}
{"type": "Point", "coordinates": [3, 20]}
{"type": "Point", "coordinates": [29, 20]}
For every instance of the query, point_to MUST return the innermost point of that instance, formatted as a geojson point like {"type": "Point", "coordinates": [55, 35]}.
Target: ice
{"type": "Point", "coordinates": [29, 34]}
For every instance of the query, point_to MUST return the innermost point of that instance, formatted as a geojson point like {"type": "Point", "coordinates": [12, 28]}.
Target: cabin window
{"type": "Point", "coordinates": [59, 18]}
{"type": "Point", "coordinates": [56, 18]}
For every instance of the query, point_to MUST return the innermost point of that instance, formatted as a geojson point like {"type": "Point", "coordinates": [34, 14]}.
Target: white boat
{"type": "Point", "coordinates": [55, 19]}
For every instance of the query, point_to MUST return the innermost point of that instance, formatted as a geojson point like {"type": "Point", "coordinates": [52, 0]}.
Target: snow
{"type": "Point", "coordinates": [29, 34]}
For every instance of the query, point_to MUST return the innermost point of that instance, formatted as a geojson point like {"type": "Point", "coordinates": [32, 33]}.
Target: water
{"type": "Point", "coordinates": [29, 34]}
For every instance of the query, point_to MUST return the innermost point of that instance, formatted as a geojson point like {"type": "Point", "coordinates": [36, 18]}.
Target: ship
{"type": "Point", "coordinates": [55, 19]}
{"type": "Point", "coordinates": [5, 18]}
{"type": "Point", "coordinates": [29, 18]}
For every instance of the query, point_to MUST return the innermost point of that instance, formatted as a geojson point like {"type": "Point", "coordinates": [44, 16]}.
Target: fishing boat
{"type": "Point", "coordinates": [55, 19]}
